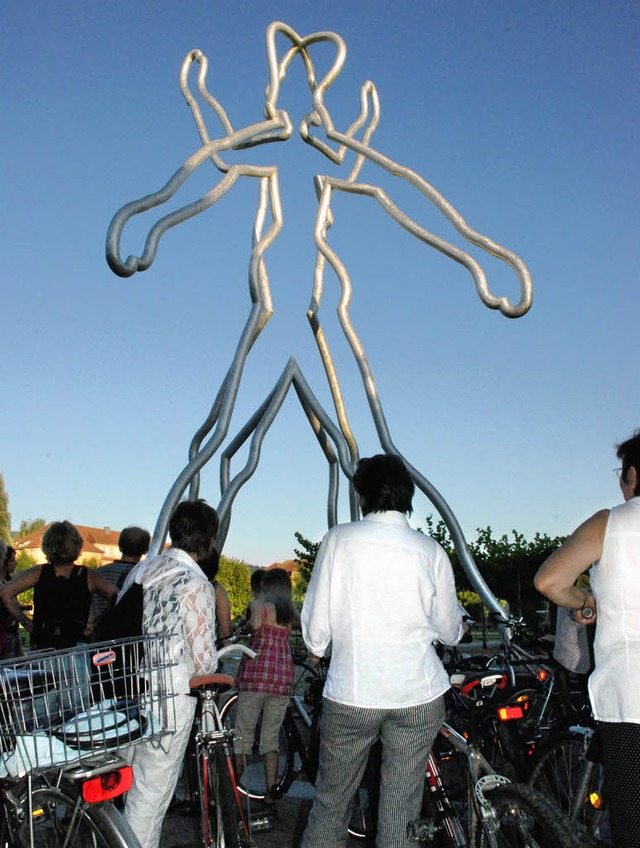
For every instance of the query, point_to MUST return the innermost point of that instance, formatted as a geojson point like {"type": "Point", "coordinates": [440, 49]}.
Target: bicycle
{"type": "Point", "coordinates": [529, 682]}
{"type": "Point", "coordinates": [467, 803]}
{"type": "Point", "coordinates": [67, 720]}
{"type": "Point", "coordinates": [225, 821]}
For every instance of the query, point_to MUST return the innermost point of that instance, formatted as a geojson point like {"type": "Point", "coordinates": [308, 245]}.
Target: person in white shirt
{"type": "Point", "coordinates": [379, 596]}
{"type": "Point", "coordinates": [611, 540]}
{"type": "Point", "coordinates": [178, 599]}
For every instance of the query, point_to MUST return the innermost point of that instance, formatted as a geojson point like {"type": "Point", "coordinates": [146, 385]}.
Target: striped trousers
{"type": "Point", "coordinates": [347, 734]}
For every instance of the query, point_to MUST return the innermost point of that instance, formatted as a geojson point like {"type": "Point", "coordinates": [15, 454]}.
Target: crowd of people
{"type": "Point", "coordinates": [381, 596]}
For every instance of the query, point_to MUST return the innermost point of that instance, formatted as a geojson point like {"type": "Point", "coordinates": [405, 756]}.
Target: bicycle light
{"type": "Point", "coordinates": [595, 800]}
{"type": "Point", "coordinates": [108, 785]}
{"type": "Point", "coordinates": [509, 713]}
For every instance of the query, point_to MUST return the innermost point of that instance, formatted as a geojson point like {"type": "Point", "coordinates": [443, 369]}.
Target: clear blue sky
{"type": "Point", "coordinates": [524, 115]}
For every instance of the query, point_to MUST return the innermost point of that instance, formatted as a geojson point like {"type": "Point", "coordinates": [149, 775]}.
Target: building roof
{"type": "Point", "coordinates": [92, 537]}
{"type": "Point", "coordinates": [289, 565]}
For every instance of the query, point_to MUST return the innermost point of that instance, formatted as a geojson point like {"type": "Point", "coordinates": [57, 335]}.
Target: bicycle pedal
{"type": "Point", "coordinates": [261, 822]}
{"type": "Point", "coordinates": [423, 830]}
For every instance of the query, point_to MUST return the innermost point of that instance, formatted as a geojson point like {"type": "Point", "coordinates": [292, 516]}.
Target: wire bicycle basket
{"type": "Point", "coordinates": [58, 707]}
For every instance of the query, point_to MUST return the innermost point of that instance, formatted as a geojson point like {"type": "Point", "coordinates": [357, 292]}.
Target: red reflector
{"type": "Point", "coordinates": [541, 674]}
{"type": "Point", "coordinates": [108, 785]}
{"type": "Point", "coordinates": [507, 713]}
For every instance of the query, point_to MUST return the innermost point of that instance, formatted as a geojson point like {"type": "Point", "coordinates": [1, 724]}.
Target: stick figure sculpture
{"type": "Point", "coordinates": [336, 439]}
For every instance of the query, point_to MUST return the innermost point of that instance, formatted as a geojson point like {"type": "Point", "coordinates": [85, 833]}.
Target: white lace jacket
{"type": "Point", "coordinates": [179, 599]}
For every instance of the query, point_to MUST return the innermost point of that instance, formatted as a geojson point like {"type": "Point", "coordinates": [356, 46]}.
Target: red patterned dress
{"type": "Point", "coordinates": [272, 670]}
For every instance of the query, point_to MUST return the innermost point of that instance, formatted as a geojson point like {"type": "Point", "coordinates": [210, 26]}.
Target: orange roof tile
{"type": "Point", "coordinates": [289, 565]}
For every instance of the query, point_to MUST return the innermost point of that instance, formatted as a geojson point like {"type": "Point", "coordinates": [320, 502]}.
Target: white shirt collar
{"type": "Point", "coordinates": [388, 517]}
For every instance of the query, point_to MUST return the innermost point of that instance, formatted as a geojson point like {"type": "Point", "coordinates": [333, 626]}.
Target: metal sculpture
{"type": "Point", "coordinates": [336, 439]}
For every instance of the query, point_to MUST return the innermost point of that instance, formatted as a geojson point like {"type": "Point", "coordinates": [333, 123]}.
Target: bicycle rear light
{"type": "Point", "coordinates": [509, 713]}
{"type": "Point", "coordinates": [542, 675]}
{"type": "Point", "coordinates": [108, 785]}
{"type": "Point", "coordinates": [595, 799]}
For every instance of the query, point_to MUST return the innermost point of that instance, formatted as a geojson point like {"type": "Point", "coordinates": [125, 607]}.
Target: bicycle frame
{"type": "Point", "coordinates": [481, 777]}
{"type": "Point", "coordinates": [214, 756]}
{"type": "Point", "coordinates": [478, 769]}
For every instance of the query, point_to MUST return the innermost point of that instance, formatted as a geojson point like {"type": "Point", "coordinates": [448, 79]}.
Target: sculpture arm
{"type": "Point", "coordinates": [132, 264]}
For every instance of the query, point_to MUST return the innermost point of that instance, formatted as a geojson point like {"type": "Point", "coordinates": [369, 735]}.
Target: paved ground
{"type": "Point", "coordinates": [180, 831]}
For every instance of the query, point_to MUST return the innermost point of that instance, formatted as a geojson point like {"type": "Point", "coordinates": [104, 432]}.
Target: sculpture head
{"type": "Point", "coordinates": [299, 45]}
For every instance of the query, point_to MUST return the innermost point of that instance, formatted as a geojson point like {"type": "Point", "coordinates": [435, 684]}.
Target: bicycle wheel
{"type": "Point", "coordinates": [562, 772]}
{"type": "Point", "coordinates": [252, 780]}
{"type": "Point", "coordinates": [524, 819]}
{"type": "Point", "coordinates": [305, 673]}
{"type": "Point", "coordinates": [61, 818]}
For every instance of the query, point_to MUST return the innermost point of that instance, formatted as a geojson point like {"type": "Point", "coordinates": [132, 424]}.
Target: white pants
{"type": "Point", "coordinates": [156, 766]}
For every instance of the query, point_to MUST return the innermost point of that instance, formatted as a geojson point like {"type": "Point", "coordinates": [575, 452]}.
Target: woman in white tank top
{"type": "Point", "coordinates": [609, 541]}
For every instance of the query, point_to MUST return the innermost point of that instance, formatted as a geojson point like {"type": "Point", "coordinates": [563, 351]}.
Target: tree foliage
{"type": "Point", "coordinates": [28, 526]}
{"type": "Point", "coordinates": [25, 560]}
{"type": "Point", "coordinates": [508, 563]}
{"type": "Point", "coordinates": [5, 516]}
{"type": "Point", "coordinates": [305, 557]}
{"type": "Point", "coordinates": [235, 576]}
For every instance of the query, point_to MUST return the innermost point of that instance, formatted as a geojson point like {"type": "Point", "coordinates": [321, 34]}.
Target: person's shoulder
{"type": "Point", "coordinates": [595, 523]}
{"type": "Point", "coordinates": [115, 569]}
{"type": "Point", "coordinates": [219, 589]}
{"type": "Point", "coordinates": [340, 533]}
{"type": "Point", "coordinates": [428, 544]}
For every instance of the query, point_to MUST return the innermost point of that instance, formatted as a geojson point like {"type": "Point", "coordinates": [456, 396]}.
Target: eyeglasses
{"type": "Point", "coordinates": [617, 472]}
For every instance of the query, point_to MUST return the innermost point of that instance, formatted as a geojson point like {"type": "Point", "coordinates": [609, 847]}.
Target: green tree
{"type": "Point", "coordinates": [5, 516]}
{"type": "Point", "coordinates": [305, 557]}
{"type": "Point", "coordinates": [235, 576]}
{"type": "Point", "coordinates": [25, 560]}
{"type": "Point", "coordinates": [28, 526]}
{"type": "Point", "coordinates": [508, 563]}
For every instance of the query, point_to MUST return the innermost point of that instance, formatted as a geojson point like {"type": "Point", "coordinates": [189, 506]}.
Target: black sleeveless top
{"type": "Point", "coordinates": [60, 608]}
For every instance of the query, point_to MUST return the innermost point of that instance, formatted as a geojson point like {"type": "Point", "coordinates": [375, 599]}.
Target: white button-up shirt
{"type": "Point", "coordinates": [381, 594]}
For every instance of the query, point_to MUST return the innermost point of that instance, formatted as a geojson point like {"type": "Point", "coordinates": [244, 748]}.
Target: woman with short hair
{"type": "Point", "coordinates": [380, 595]}
{"type": "Point", "coordinates": [62, 591]}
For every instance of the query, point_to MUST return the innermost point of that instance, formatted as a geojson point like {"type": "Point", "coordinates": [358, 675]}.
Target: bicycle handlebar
{"type": "Point", "coordinates": [236, 649]}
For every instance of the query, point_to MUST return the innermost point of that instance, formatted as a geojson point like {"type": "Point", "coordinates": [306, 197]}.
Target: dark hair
{"type": "Point", "coordinates": [384, 484]}
{"type": "Point", "coordinates": [193, 526]}
{"type": "Point", "coordinates": [61, 543]}
{"type": "Point", "coordinates": [134, 541]}
{"type": "Point", "coordinates": [256, 578]}
{"type": "Point", "coordinates": [9, 554]}
{"type": "Point", "coordinates": [276, 590]}
{"type": "Point", "coordinates": [629, 454]}
{"type": "Point", "coordinates": [210, 563]}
